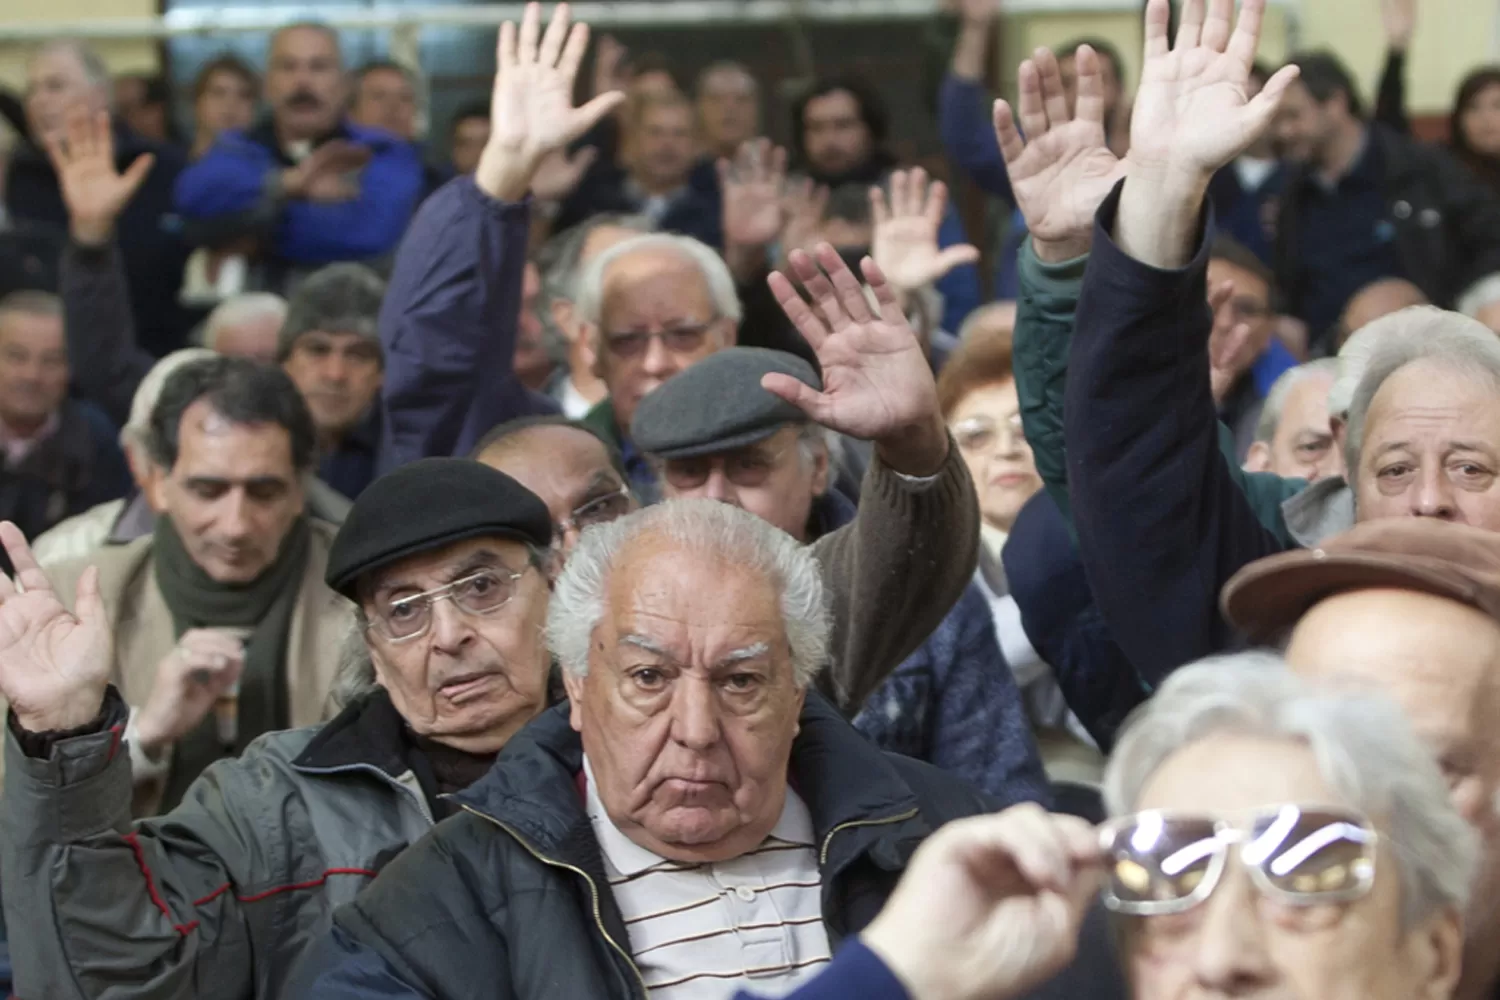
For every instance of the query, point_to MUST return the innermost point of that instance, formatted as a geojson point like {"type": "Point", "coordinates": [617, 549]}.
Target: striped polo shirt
{"type": "Point", "coordinates": [703, 931]}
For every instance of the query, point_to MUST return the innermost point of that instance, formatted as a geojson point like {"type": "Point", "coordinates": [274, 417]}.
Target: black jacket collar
{"type": "Point", "coordinates": [369, 732]}
{"type": "Point", "coordinates": [844, 779]}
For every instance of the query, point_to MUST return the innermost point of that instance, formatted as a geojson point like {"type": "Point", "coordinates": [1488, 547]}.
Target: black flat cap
{"type": "Point", "coordinates": [427, 505]}
{"type": "Point", "coordinates": [718, 405]}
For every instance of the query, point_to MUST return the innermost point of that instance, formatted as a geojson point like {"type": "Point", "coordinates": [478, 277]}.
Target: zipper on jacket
{"type": "Point", "coordinates": [593, 891]}
{"type": "Point", "coordinates": [406, 790]}
{"type": "Point", "coordinates": [828, 840]}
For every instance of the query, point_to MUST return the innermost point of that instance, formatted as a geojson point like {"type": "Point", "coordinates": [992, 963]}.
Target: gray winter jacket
{"type": "Point", "coordinates": [217, 898]}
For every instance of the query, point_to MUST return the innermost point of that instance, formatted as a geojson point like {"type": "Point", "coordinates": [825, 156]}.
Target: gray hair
{"type": "Point", "coordinates": [561, 256]}
{"type": "Point", "coordinates": [1275, 404]}
{"type": "Point", "coordinates": [1365, 749]}
{"type": "Point", "coordinates": [590, 291]}
{"type": "Point", "coordinates": [1418, 333]}
{"type": "Point", "coordinates": [706, 527]}
{"type": "Point", "coordinates": [242, 308]}
{"type": "Point", "coordinates": [31, 302]}
{"type": "Point", "coordinates": [355, 674]}
{"type": "Point", "coordinates": [94, 68]}
{"type": "Point", "coordinates": [339, 298]}
{"type": "Point", "coordinates": [137, 430]}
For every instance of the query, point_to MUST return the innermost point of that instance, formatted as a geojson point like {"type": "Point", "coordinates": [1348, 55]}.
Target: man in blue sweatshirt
{"type": "Point", "coordinates": [303, 187]}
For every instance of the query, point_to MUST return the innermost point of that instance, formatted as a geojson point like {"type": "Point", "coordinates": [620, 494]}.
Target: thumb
{"type": "Point", "coordinates": [801, 395]}
{"type": "Point", "coordinates": [586, 117]}
{"type": "Point", "coordinates": [1263, 106]}
{"type": "Point", "coordinates": [87, 599]}
{"type": "Point", "coordinates": [137, 171]}
{"type": "Point", "coordinates": [956, 256]}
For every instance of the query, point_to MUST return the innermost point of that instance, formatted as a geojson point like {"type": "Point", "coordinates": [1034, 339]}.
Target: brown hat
{"type": "Point", "coordinates": [1401, 553]}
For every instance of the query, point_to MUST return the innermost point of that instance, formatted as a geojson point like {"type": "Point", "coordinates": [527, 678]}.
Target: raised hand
{"type": "Point", "coordinates": [978, 11]}
{"type": "Point", "coordinates": [905, 241]}
{"type": "Point", "coordinates": [1194, 111]}
{"type": "Point", "coordinates": [54, 664]}
{"type": "Point", "coordinates": [1400, 19]}
{"type": "Point", "coordinates": [531, 110]}
{"type": "Point", "coordinates": [94, 191]}
{"type": "Point", "coordinates": [202, 667]}
{"type": "Point", "coordinates": [876, 381]}
{"type": "Point", "coordinates": [1062, 170]}
{"type": "Point", "coordinates": [990, 906]}
{"type": "Point", "coordinates": [804, 205]}
{"type": "Point", "coordinates": [558, 174]}
{"type": "Point", "coordinates": [753, 189]}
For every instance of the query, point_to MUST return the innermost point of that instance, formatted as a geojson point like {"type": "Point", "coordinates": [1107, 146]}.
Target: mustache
{"type": "Point", "coordinates": [303, 99]}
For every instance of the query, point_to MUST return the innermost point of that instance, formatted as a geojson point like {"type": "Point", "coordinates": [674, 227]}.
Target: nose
{"type": "Point", "coordinates": [718, 487]}
{"type": "Point", "coordinates": [658, 361]}
{"type": "Point", "coordinates": [234, 516]}
{"type": "Point", "coordinates": [335, 369]}
{"type": "Point", "coordinates": [1434, 495]}
{"type": "Point", "coordinates": [695, 714]}
{"type": "Point", "coordinates": [450, 629]}
{"type": "Point", "coordinates": [1230, 957]}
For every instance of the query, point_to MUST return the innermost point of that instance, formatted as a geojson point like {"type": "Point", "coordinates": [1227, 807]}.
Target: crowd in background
{"type": "Point", "coordinates": [629, 539]}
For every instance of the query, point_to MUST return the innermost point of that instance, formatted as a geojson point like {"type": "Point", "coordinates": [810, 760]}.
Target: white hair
{"type": "Point", "coordinates": [1275, 405]}
{"type": "Point", "coordinates": [1365, 750]}
{"type": "Point", "coordinates": [721, 288]}
{"type": "Point", "coordinates": [243, 308]}
{"type": "Point", "coordinates": [1418, 333]}
{"type": "Point", "coordinates": [137, 429]}
{"type": "Point", "coordinates": [706, 528]}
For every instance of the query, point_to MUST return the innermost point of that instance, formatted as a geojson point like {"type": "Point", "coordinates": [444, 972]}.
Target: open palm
{"type": "Point", "coordinates": [94, 191]}
{"type": "Point", "coordinates": [905, 240]}
{"type": "Point", "coordinates": [876, 379]}
{"type": "Point", "coordinates": [753, 187]}
{"type": "Point", "coordinates": [54, 665]}
{"type": "Point", "coordinates": [1194, 110]}
{"type": "Point", "coordinates": [1062, 169]}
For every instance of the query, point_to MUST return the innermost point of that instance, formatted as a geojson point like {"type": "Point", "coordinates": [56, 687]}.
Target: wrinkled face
{"type": "Point", "coordinates": [227, 102]}
{"type": "Point", "coordinates": [1440, 661]}
{"type": "Point", "coordinates": [1379, 299]}
{"type": "Point", "coordinates": [470, 681]}
{"type": "Point", "coordinates": [469, 137]}
{"type": "Point", "coordinates": [1432, 448]}
{"type": "Point", "coordinates": [1250, 305]}
{"type": "Point", "coordinates": [253, 337]}
{"type": "Point", "coordinates": [385, 99]}
{"type": "Point", "coordinates": [338, 374]}
{"type": "Point", "coordinates": [33, 369]}
{"type": "Point", "coordinates": [570, 470]}
{"type": "Point", "coordinates": [1239, 944]}
{"type": "Point", "coordinates": [305, 82]}
{"type": "Point", "coordinates": [773, 479]}
{"type": "Point", "coordinates": [987, 426]}
{"type": "Point", "coordinates": [834, 135]}
{"type": "Point", "coordinates": [55, 81]}
{"type": "Point", "coordinates": [658, 317]}
{"type": "Point", "coordinates": [233, 494]}
{"type": "Point", "coordinates": [661, 148]}
{"type": "Point", "coordinates": [1480, 121]}
{"type": "Point", "coordinates": [532, 365]}
{"type": "Point", "coordinates": [1303, 126]}
{"type": "Point", "coordinates": [728, 109]}
{"type": "Point", "coordinates": [1303, 447]}
{"type": "Point", "coordinates": [1068, 66]}
{"type": "Point", "coordinates": [690, 706]}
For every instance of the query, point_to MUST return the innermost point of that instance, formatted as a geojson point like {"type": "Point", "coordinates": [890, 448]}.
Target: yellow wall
{"type": "Point", "coordinates": [122, 57]}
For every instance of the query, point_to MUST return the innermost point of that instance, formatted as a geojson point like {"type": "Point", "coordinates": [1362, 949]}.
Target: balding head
{"type": "Point", "coordinates": [59, 75]}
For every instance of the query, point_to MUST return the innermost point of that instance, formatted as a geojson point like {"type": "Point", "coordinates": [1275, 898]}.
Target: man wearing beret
{"type": "Point", "coordinates": [714, 432]}
{"type": "Point", "coordinates": [218, 897]}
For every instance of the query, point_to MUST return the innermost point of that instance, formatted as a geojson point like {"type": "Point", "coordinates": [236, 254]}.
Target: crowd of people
{"type": "Point", "coordinates": [632, 559]}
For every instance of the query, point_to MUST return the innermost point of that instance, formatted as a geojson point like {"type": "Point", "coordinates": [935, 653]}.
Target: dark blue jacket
{"type": "Point", "coordinates": [964, 124]}
{"type": "Point", "coordinates": [448, 326]}
{"type": "Point", "coordinates": [1162, 523]}
{"type": "Point", "coordinates": [856, 971]}
{"type": "Point", "coordinates": [227, 190]}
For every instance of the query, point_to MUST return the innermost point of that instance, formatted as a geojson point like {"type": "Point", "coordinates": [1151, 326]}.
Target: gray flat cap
{"type": "Point", "coordinates": [718, 405]}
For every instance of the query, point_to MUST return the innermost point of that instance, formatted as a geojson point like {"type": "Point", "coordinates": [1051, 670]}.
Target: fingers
{"type": "Point", "coordinates": [1246, 39]}
{"type": "Point", "coordinates": [851, 292]}
{"type": "Point", "coordinates": [586, 117]}
{"type": "Point", "coordinates": [778, 166]}
{"type": "Point", "coordinates": [531, 22]}
{"type": "Point", "coordinates": [955, 256]}
{"type": "Point", "coordinates": [574, 51]}
{"type": "Point", "coordinates": [554, 36]}
{"type": "Point", "coordinates": [1263, 106]}
{"type": "Point", "coordinates": [1029, 101]}
{"type": "Point", "coordinates": [1158, 24]}
{"type": "Point", "coordinates": [1006, 133]}
{"type": "Point", "coordinates": [1054, 98]}
{"type": "Point", "coordinates": [1090, 105]}
{"type": "Point", "coordinates": [103, 138]}
{"type": "Point", "coordinates": [900, 202]}
{"type": "Point", "coordinates": [880, 212]}
{"type": "Point", "coordinates": [584, 158]}
{"type": "Point", "coordinates": [804, 397]}
{"type": "Point", "coordinates": [885, 295]}
{"type": "Point", "coordinates": [803, 318]}
{"type": "Point", "coordinates": [1217, 25]}
{"type": "Point", "coordinates": [80, 132]}
{"type": "Point", "coordinates": [1190, 28]}
{"type": "Point", "coordinates": [937, 200]}
{"type": "Point", "coordinates": [819, 288]}
{"type": "Point", "coordinates": [1220, 294]}
{"type": "Point", "coordinates": [28, 574]}
{"type": "Point", "coordinates": [88, 603]}
{"type": "Point", "coordinates": [137, 171]}
{"type": "Point", "coordinates": [505, 51]}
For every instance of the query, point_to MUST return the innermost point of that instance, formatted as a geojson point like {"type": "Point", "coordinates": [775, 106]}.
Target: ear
{"type": "Point", "coordinates": [1435, 954]}
{"type": "Point", "coordinates": [731, 333]}
{"type": "Point", "coordinates": [574, 685]}
{"type": "Point", "coordinates": [155, 487]}
{"type": "Point", "coordinates": [822, 464]}
{"type": "Point", "coordinates": [1258, 458]}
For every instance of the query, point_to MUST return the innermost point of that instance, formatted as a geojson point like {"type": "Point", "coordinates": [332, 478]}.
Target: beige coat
{"type": "Point", "coordinates": [144, 634]}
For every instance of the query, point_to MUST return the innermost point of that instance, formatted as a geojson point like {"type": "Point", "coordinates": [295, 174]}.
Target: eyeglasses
{"type": "Point", "coordinates": [601, 510]}
{"type": "Point", "coordinates": [978, 434]}
{"type": "Point", "coordinates": [677, 340]}
{"type": "Point", "coordinates": [748, 467]}
{"type": "Point", "coordinates": [481, 593]}
{"type": "Point", "coordinates": [1162, 863]}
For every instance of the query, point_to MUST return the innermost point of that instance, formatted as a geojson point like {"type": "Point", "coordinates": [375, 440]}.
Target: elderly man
{"type": "Point", "coordinates": [305, 187]}
{"type": "Point", "coordinates": [1294, 435]}
{"type": "Point", "coordinates": [220, 896]}
{"type": "Point", "coordinates": [60, 76]}
{"type": "Point", "coordinates": [223, 600]}
{"type": "Point", "coordinates": [246, 326]}
{"type": "Point", "coordinates": [330, 346]}
{"type": "Point", "coordinates": [58, 456]}
{"type": "Point", "coordinates": [1410, 607]}
{"type": "Point", "coordinates": [714, 433]}
{"type": "Point", "coordinates": [690, 765]}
